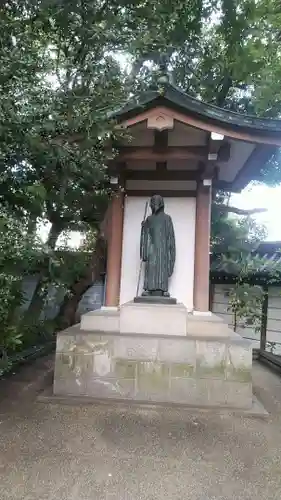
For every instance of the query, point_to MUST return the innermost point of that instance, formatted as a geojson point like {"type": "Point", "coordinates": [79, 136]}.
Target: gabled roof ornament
{"type": "Point", "coordinates": [164, 76]}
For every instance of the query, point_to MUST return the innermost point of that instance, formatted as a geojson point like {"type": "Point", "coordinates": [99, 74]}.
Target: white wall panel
{"type": "Point", "coordinates": [182, 211]}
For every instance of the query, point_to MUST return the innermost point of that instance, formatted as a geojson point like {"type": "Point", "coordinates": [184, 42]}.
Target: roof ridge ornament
{"type": "Point", "coordinates": [164, 77]}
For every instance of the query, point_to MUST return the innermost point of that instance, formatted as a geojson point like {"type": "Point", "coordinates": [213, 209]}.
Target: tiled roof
{"type": "Point", "coordinates": [173, 96]}
{"type": "Point", "coordinates": [265, 260]}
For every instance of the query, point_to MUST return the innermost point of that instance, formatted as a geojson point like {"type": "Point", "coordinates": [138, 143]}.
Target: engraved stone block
{"type": "Point", "coordinates": [102, 364]}
{"type": "Point", "coordinates": [65, 342]}
{"type": "Point", "coordinates": [107, 387]}
{"type": "Point", "coordinates": [125, 368]}
{"type": "Point", "coordinates": [188, 391]}
{"type": "Point", "coordinates": [62, 365]}
{"type": "Point", "coordinates": [177, 351]}
{"type": "Point", "coordinates": [211, 325]}
{"type": "Point", "coordinates": [69, 386]}
{"type": "Point", "coordinates": [73, 364]}
{"type": "Point", "coordinates": [93, 343]}
{"type": "Point", "coordinates": [210, 359]}
{"type": "Point", "coordinates": [216, 392]}
{"type": "Point", "coordinates": [239, 363]}
{"type": "Point", "coordinates": [228, 393]}
{"type": "Point", "coordinates": [138, 348]}
{"type": "Point", "coordinates": [71, 373]}
{"type": "Point", "coordinates": [82, 343]}
{"type": "Point", "coordinates": [182, 370]}
{"type": "Point", "coordinates": [153, 381]}
{"type": "Point", "coordinates": [238, 395]}
{"type": "Point", "coordinates": [155, 319]}
{"type": "Point", "coordinates": [101, 320]}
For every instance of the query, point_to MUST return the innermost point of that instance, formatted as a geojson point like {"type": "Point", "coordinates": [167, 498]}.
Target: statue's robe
{"type": "Point", "coordinates": [158, 251]}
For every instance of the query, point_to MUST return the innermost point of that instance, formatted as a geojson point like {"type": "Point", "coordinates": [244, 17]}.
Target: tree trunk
{"type": "Point", "coordinates": [67, 313]}
{"type": "Point", "coordinates": [41, 290]}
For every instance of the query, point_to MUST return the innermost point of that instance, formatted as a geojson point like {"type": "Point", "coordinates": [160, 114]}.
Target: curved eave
{"type": "Point", "coordinates": [251, 171]}
{"type": "Point", "coordinates": [174, 98]}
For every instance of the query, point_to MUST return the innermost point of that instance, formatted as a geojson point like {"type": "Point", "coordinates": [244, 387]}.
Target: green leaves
{"type": "Point", "coordinates": [53, 125]}
{"type": "Point", "coordinates": [230, 233]}
{"type": "Point", "coordinates": [245, 302]}
{"type": "Point", "coordinates": [64, 68]}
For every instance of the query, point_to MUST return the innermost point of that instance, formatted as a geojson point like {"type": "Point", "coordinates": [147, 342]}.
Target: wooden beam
{"type": "Point", "coordinates": [171, 153]}
{"type": "Point", "coordinates": [115, 167]}
{"type": "Point", "coordinates": [228, 130]}
{"type": "Point", "coordinates": [114, 251]}
{"type": "Point", "coordinates": [165, 193]}
{"type": "Point", "coordinates": [202, 248]}
{"type": "Point", "coordinates": [224, 152]}
{"type": "Point", "coordinates": [214, 145]}
{"type": "Point", "coordinates": [208, 170]}
{"type": "Point", "coordinates": [161, 166]}
{"type": "Point", "coordinates": [160, 141]}
{"type": "Point", "coordinates": [163, 175]}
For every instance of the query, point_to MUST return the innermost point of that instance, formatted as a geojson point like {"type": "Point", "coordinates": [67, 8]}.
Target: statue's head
{"type": "Point", "coordinates": [156, 203]}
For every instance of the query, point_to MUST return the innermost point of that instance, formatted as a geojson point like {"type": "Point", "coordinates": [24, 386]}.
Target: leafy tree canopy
{"type": "Point", "coordinates": [62, 71]}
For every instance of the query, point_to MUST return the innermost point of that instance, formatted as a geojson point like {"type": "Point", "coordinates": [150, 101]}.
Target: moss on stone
{"type": "Point", "coordinates": [152, 376]}
{"type": "Point", "coordinates": [64, 358]}
{"type": "Point", "coordinates": [239, 374]}
{"type": "Point", "coordinates": [63, 365]}
{"type": "Point", "coordinates": [208, 371]}
{"type": "Point", "coordinates": [182, 370]}
{"type": "Point", "coordinates": [125, 368]}
{"type": "Point", "coordinates": [89, 346]}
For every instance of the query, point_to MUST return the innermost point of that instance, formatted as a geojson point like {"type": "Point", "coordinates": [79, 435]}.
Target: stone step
{"type": "Point", "coordinates": [106, 320]}
{"type": "Point", "coordinates": [155, 319]}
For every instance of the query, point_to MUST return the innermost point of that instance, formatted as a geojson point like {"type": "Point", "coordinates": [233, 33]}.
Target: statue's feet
{"type": "Point", "coordinates": [166, 294]}
{"type": "Point", "coordinates": [145, 293]}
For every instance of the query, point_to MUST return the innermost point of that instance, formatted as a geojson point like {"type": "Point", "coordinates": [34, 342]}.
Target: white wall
{"type": "Point", "coordinates": [182, 211]}
{"type": "Point", "coordinates": [273, 328]}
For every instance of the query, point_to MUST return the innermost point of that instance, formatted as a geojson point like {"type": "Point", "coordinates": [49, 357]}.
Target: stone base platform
{"type": "Point", "coordinates": [200, 371]}
{"type": "Point", "coordinates": [257, 410]}
{"type": "Point", "coordinates": [153, 299]}
{"type": "Point", "coordinates": [154, 319]}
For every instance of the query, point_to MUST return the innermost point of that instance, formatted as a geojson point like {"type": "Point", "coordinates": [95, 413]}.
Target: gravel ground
{"type": "Point", "coordinates": [100, 452]}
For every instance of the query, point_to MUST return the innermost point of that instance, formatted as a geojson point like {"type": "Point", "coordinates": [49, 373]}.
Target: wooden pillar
{"type": "Point", "coordinates": [114, 251]}
{"type": "Point", "coordinates": [202, 248]}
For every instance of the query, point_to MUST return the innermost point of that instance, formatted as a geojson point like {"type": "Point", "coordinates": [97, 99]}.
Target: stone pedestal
{"type": "Point", "coordinates": [203, 325]}
{"type": "Point", "coordinates": [153, 319]}
{"type": "Point", "coordinates": [102, 320]}
{"type": "Point", "coordinates": [154, 353]}
{"type": "Point", "coordinates": [154, 299]}
{"type": "Point", "coordinates": [202, 372]}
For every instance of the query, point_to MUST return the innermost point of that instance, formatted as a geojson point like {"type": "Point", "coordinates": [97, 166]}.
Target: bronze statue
{"type": "Point", "coordinates": [157, 249]}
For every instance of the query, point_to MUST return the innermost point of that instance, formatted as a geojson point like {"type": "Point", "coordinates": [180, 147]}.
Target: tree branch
{"type": "Point", "coordinates": [223, 89]}
{"type": "Point", "coordinates": [241, 211]}
{"type": "Point", "coordinates": [58, 61]}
